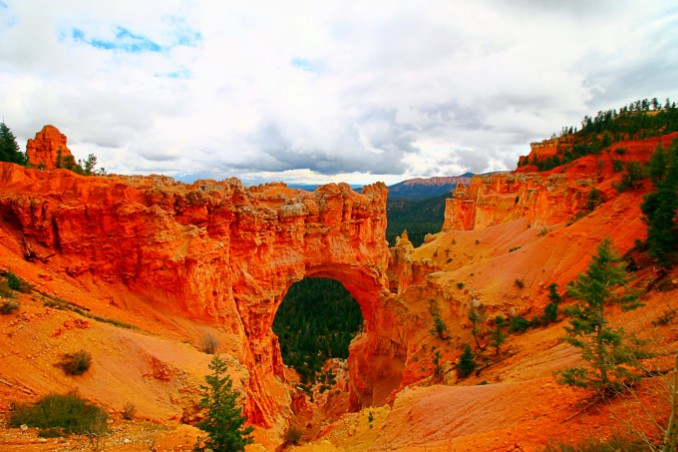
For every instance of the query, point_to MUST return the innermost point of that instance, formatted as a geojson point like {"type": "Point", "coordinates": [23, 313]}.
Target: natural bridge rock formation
{"type": "Point", "coordinates": [220, 253]}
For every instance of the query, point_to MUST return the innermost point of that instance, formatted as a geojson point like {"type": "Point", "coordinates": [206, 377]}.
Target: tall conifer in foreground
{"type": "Point", "coordinates": [224, 421]}
{"type": "Point", "coordinates": [599, 287]}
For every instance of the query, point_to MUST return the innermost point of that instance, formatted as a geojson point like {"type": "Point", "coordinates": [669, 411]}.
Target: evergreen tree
{"type": "Point", "coordinates": [224, 423]}
{"type": "Point", "coordinates": [477, 318]}
{"type": "Point", "coordinates": [551, 310]}
{"type": "Point", "coordinates": [602, 346]}
{"type": "Point", "coordinates": [467, 363]}
{"type": "Point", "coordinates": [9, 149]}
{"type": "Point", "coordinates": [497, 336]}
{"type": "Point", "coordinates": [661, 205]}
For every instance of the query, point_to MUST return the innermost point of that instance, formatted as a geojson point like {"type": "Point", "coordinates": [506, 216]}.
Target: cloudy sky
{"type": "Point", "coordinates": [321, 91]}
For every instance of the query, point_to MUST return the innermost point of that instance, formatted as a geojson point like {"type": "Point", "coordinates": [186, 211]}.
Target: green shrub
{"type": "Point", "coordinates": [8, 307]}
{"type": "Point", "coordinates": [18, 284]}
{"type": "Point", "coordinates": [519, 324]}
{"type": "Point", "coordinates": [467, 363]}
{"type": "Point", "coordinates": [593, 199]}
{"type": "Point", "coordinates": [76, 363]}
{"type": "Point", "coordinates": [519, 283]}
{"type": "Point", "coordinates": [65, 413]}
{"type": "Point", "coordinates": [439, 327]}
{"type": "Point", "coordinates": [293, 436]}
{"type": "Point", "coordinates": [50, 433]}
{"type": "Point", "coordinates": [617, 165]}
{"type": "Point", "coordinates": [550, 313]}
{"type": "Point", "coordinates": [12, 281]}
{"type": "Point", "coordinates": [632, 178]}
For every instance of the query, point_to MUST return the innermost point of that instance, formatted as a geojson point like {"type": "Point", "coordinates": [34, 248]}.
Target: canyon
{"type": "Point", "coordinates": [155, 265]}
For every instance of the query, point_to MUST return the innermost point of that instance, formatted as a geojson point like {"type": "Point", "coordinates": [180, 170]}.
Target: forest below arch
{"type": "Point", "coordinates": [316, 321]}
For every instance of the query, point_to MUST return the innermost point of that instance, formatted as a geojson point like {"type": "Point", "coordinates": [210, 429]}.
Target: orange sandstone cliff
{"type": "Point", "coordinates": [216, 252]}
{"type": "Point", "coordinates": [173, 259]}
{"type": "Point", "coordinates": [46, 147]}
{"type": "Point", "coordinates": [543, 198]}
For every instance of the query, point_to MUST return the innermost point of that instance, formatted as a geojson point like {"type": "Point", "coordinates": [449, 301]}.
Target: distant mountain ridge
{"type": "Point", "coordinates": [422, 188]}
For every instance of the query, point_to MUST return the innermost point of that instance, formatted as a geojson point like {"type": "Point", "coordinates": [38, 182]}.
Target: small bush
{"type": "Point", "coordinates": [439, 327]}
{"type": "Point", "coordinates": [128, 411]}
{"type": "Point", "coordinates": [76, 363]}
{"type": "Point", "coordinates": [18, 284]}
{"type": "Point", "coordinates": [550, 313]}
{"type": "Point", "coordinates": [519, 324]}
{"type": "Point", "coordinates": [632, 178]}
{"type": "Point", "coordinates": [593, 199]}
{"type": "Point", "coordinates": [617, 165]}
{"type": "Point", "coordinates": [293, 436]}
{"type": "Point", "coordinates": [460, 285]}
{"type": "Point", "coordinates": [8, 307]}
{"type": "Point", "coordinates": [50, 433]}
{"type": "Point", "coordinates": [519, 283]}
{"type": "Point", "coordinates": [209, 344]}
{"type": "Point", "coordinates": [467, 363]}
{"type": "Point", "coordinates": [60, 413]}
{"type": "Point", "coordinates": [437, 367]}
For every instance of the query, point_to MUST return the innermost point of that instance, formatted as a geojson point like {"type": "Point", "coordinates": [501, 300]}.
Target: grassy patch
{"type": "Point", "coordinates": [58, 303]}
{"type": "Point", "coordinates": [613, 444]}
{"type": "Point", "coordinates": [18, 284]}
{"type": "Point", "coordinates": [65, 414]}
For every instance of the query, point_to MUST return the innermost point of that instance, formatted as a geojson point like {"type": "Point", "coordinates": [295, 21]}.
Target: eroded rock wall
{"type": "Point", "coordinates": [503, 197]}
{"type": "Point", "coordinates": [218, 252]}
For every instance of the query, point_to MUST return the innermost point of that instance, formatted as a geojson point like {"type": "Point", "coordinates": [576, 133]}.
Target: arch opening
{"type": "Point", "coordinates": [316, 321]}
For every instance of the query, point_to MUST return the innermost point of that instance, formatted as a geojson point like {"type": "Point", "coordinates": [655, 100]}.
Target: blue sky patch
{"type": "Point", "coordinates": [182, 73]}
{"type": "Point", "coordinates": [124, 40]}
{"type": "Point", "coordinates": [305, 65]}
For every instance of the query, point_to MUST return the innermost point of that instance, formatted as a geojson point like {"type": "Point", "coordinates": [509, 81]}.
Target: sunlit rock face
{"type": "Point", "coordinates": [219, 253]}
{"type": "Point", "coordinates": [48, 145]}
{"type": "Point", "coordinates": [548, 197]}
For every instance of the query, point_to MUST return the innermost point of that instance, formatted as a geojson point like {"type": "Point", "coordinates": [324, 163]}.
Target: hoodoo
{"type": "Point", "coordinates": [47, 148]}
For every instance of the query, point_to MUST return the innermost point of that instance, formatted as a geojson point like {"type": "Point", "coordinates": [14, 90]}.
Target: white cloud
{"type": "Point", "coordinates": [317, 91]}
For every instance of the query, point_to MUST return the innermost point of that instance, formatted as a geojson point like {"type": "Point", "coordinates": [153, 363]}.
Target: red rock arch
{"type": "Point", "coordinates": [220, 253]}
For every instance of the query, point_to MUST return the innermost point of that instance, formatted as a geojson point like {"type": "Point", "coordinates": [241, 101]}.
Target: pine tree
{"type": "Point", "coordinates": [467, 363]}
{"type": "Point", "coordinates": [602, 346]}
{"type": "Point", "coordinates": [661, 205]}
{"type": "Point", "coordinates": [551, 310]}
{"type": "Point", "coordinates": [477, 317]}
{"type": "Point", "coordinates": [224, 423]}
{"type": "Point", "coordinates": [497, 336]}
{"type": "Point", "coordinates": [9, 149]}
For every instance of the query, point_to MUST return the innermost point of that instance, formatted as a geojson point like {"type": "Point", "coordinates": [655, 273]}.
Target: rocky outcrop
{"type": "Point", "coordinates": [47, 148]}
{"type": "Point", "coordinates": [547, 197]}
{"type": "Point", "coordinates": [542, 150]}
{"type": "Point", "coordinates": [503, 197]}
{"type": "Point", "coordinates": [218, 252]}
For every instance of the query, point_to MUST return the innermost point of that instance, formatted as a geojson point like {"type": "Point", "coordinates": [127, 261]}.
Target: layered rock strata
{"type": "Point", "coordinates": [220, 253]}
